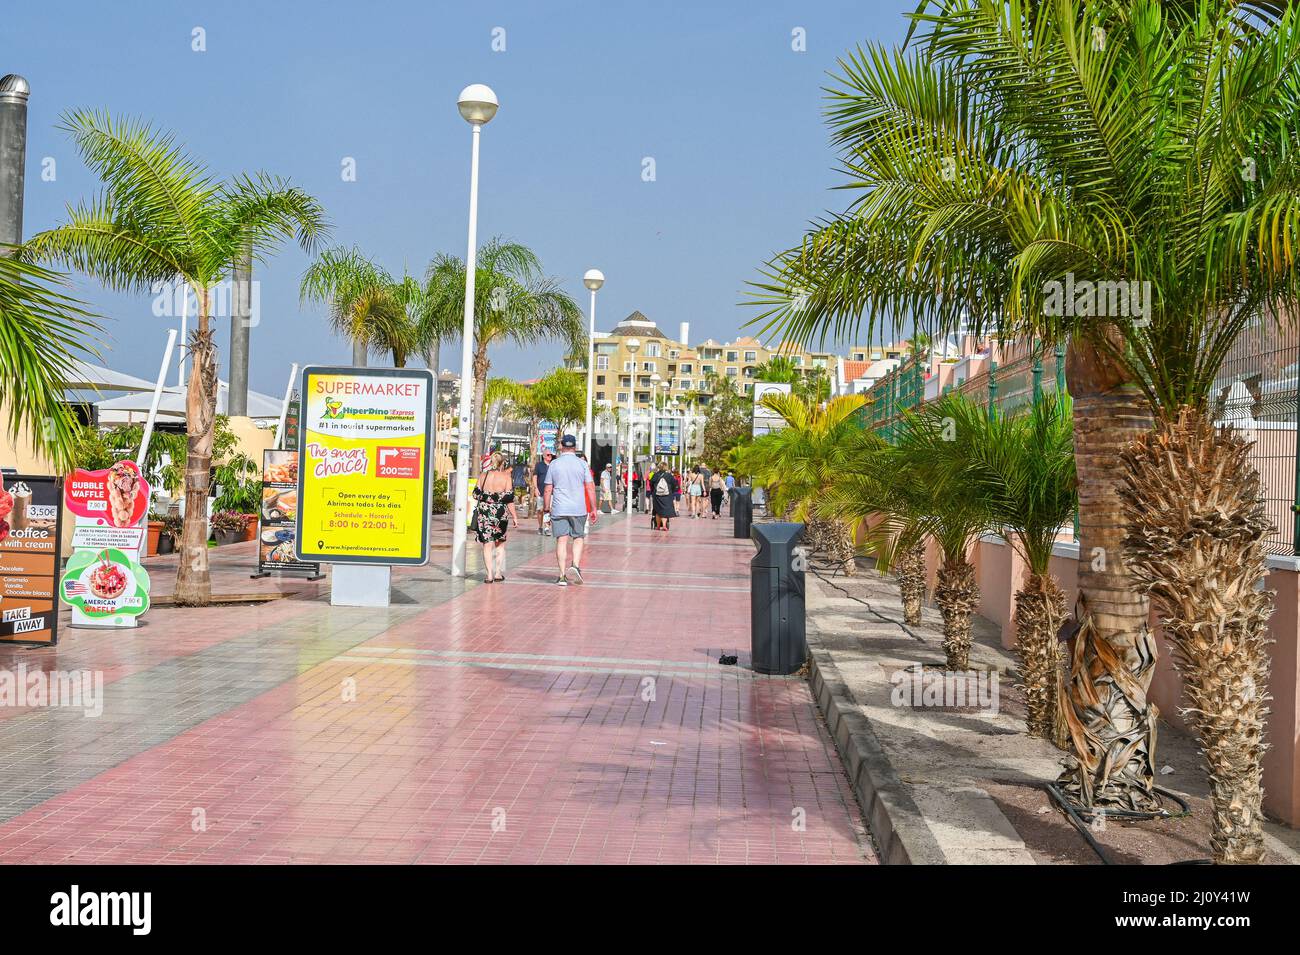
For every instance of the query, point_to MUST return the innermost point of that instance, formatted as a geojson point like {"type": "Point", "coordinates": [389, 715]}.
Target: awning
{"type": "Point", "coordinates": [172, 405]}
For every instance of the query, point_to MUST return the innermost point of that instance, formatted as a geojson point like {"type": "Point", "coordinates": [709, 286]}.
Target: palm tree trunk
{"type": "Point", "coordinates": [481, 366]}
{"type": "Point", "coordinates": [431, 359]}
{"type": "Point", "coordinates": [1040, 608]}
{"type": "Point", "coordinates": [910, 571]}
{"type": "Point", "coordinates": [360, 353]}
{"type": "Point", "coordinates": [1196, 542]}
{"type": "Point", "coordinates": [193, 583]}
{"type": "Point", "coordinates": [1111, 723]}
{"type": "Point", "coordinates": [958, 597]}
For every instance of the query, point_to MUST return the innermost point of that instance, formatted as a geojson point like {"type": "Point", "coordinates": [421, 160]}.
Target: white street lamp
{"type": "Point", "coordinates": [632, 345]}
{"type": "Point", "coordinates": [477, 104]}
{"type": "Point", "coordinates": [593, 279]}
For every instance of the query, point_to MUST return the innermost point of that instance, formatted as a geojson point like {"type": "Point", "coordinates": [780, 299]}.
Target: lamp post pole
{"type": "Point", "coordinates": [593, 279]}
{"type": "Point", "coordinates": [632, 345]}
{"type": "Point", "coordinates": [477, 104]}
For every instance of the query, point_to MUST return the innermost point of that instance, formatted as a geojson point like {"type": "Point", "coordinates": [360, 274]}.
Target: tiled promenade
{"type": "Point", "coordinates": [518, 722]}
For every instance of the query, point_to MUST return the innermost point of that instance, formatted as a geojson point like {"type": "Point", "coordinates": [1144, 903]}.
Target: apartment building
{"type": "Point", "coordinates": [669, 365]}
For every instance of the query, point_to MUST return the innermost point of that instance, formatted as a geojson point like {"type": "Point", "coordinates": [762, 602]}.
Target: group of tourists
{"type": "Point", "coordinates": [567, 497]}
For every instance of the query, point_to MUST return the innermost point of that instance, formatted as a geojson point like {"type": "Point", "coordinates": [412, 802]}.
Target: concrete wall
{"type": "Point", "coordinates": [1000, 571]}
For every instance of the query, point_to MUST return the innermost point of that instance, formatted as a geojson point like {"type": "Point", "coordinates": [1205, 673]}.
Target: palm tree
{"type": "Point", "coordinates": [1021, 468]}
{"type": "Point", "coordinates": [1144, 143]}
{"type": "Point", "coordinates": [513, 301]}
{"type": "Point", "coordinates": [367, 305]}
{"type": "Point", "coordinates": [160, 217]}
{"type": "Point", "coordinates": [42, 331]}
{"type": "Point", "coordinates": [799, 463]}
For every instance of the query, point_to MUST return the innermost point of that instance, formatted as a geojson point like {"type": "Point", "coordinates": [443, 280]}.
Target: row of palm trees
{"type": "Point", "coordinates": [1010, 148]}
{"type": "Point", "coordinates": [954, 470]}
{"type": "Point", "coordinates": [161, 216]}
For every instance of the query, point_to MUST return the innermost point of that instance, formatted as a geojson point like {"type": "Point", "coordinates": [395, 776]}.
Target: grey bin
{"type": "Point", "coordinates": [742, 511]}
{"type": "Point", "coordinates": [778, 634]}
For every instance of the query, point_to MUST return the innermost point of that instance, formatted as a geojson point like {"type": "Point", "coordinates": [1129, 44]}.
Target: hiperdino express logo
{"type": "Point", "coordinates": [335, 410]}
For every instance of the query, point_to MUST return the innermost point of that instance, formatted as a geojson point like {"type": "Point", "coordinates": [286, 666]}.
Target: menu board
{"type": "Point", "coordinates": [278, 515]}
{"type": "Point", "coordinates": [363, 481]}
{"type": "Point", "coordinates": [103, 580]}
{"type": "Point", "coordinates": [291, 415]}
{"type": "Point", "coordinates": [30, 526]}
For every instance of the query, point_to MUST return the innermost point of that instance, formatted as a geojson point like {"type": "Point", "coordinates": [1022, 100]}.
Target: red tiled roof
{"type": "Point", "coordinates": [853, 370]}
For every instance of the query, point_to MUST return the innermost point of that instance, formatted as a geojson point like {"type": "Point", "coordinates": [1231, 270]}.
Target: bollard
{"type": "Point", "coordinates": [742, 512]}
{"type": "Point", "coordinates": [778, 634]}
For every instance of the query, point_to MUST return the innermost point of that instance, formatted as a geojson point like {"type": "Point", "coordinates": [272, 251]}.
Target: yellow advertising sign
{"type": "Point", "coordinates": [363, 467]}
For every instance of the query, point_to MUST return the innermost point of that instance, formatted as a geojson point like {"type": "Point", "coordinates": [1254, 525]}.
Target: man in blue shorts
{"type": "Point", "coordinates": [571, 501]}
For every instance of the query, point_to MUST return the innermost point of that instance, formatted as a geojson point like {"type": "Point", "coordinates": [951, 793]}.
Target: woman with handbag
{"type": "Point", "coordinates": [495, 494]}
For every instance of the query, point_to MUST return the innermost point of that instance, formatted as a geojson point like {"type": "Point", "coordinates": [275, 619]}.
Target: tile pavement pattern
{"type": "Point", "coordinates": [518, 722]}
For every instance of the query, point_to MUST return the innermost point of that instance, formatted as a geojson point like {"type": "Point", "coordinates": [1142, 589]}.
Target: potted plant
{"type": "Point", "coordinates": [228, 527]}
{"type": "Point", "coordinates": [171, 532]}
{"type": "Point", "coordinates": [155, 533]}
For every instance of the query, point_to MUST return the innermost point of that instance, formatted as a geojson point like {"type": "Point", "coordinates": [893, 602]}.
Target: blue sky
{"type": "Point", "coordinates": [713, 92]}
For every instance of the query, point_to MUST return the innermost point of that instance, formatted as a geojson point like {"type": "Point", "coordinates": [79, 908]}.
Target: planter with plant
{"type": "Point", "coordinates": [170, 532]}
{"type": "Point", "coordinates": [228, 527]}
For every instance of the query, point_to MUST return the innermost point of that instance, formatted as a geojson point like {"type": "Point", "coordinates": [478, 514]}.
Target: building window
{"type": "Point", "coordinates": [858, 356]}
{"type": "Point", "coordinates": [643, 397]}
{"type": "Point", "coordinates": [629, 366]}
{"type": "Point", "coordinates": [600, 379]}
{"type": "Point", "coordinates": [798, 360]}
{"type": "Point", "coordinates": [686, 384]}
{"type": "Point", "coordinates": [686, 368]}
{"type": "Point", "coordinates": [600, 396]}
{"type": "Point", "coordinates": [707, 369]}
{"type": "Point", "coordinates": [652, 350]}
{"type": "Point", "coordinates": [647, 366]}
{"type": "Point", "coordinates": [731, 356]}
{"type": "Point", "coordinates": [622, 396]}
{"type": "Point", "coordinates": [749, 388]}
{"type": "Point", "coordinates": [731, 372]}
{"type": "Point", "coordinates": [602, 362]}
{"type": "Point", "coordinates": [751, 356]}
{"type": "Point", "coordinates": [749, 371]}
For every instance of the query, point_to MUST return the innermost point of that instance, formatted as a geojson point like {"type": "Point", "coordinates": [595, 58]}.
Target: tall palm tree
{"type": "Point", "coordinates": [513, 301]}
{"type": "Point", "coordinates": [799, 463]}
{"type": "Point", "coordinates": [161, 216]}
{"type": "Point", "coordinates": [1152, 144]}
{"type": "Point", "coordinates": [42, 331]}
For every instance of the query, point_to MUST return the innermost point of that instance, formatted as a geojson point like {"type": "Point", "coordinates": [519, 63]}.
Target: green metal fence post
{"type": "Point", "coordinates": [1038, 373]}
{"type": "Point", "coordinates": [993, 385]}
{"type": "Point", "coordinates": [1060, 367]}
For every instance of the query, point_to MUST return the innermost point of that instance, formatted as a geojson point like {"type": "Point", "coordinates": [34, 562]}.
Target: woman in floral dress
{"type": "Point", "coordinates": [495, 494]}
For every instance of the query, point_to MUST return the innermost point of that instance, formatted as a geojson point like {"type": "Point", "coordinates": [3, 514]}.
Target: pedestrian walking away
{"type": "Point", "coordinates": [717, 490]}
{"type": "Point", "coordinates": [664, 488]}
{"type": "Point", "coordinates": [495, 494]}
{"type": "Point", "coordinates": [571, 501]}
{"type": "Point", "coordinates": [696, 492]}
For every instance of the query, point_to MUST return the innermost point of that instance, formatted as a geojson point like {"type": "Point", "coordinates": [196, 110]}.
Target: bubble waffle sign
{"type": "Point", "coordinates": [363, 478]}
{"type": "Point", "coordinates": [103, 581]}
{"type": "Point", "coordinates": [116, 497]}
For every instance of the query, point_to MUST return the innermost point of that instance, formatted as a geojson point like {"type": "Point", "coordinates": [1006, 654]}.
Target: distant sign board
{"type": "Point", "coordinates": [363, 476]}
{"type": "Point", "coordinates": [765, 420]}
{"type": "Point", "coordinates": [668, 436]}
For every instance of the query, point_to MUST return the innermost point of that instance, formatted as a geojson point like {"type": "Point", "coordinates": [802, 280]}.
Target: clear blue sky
{"type": "Point", "coordinates": [712, 91]}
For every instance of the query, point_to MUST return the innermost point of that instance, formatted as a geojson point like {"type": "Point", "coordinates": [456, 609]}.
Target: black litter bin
{"type": "Point", "coordinates": [778, 634]}
{"type": "Point", "coordinates": [742, 512]}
